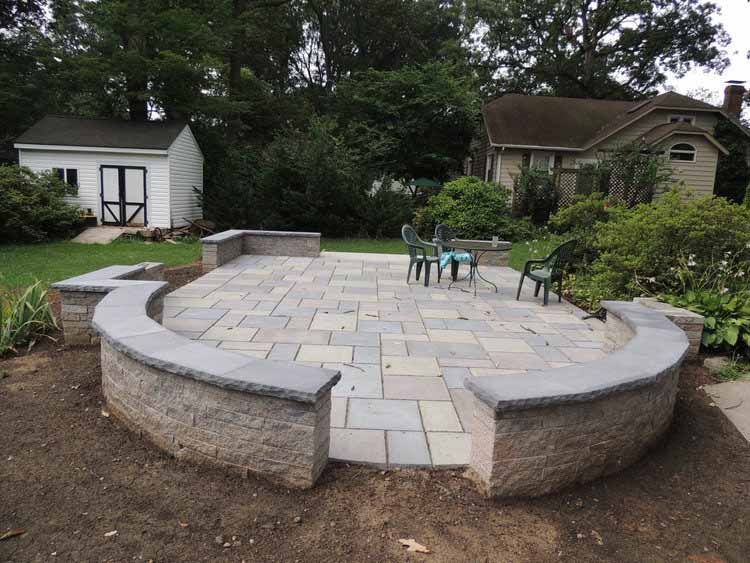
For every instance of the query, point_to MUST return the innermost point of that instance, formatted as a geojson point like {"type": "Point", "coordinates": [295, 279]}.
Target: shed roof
{"type": "Point", "coordinates": [94, 132]}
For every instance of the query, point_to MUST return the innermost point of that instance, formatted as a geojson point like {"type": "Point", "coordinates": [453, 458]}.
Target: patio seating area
{"type": "Point", "coordinates": [403, 350]}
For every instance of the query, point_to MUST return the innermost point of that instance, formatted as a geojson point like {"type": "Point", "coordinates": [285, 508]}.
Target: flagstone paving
{"type": "Point", "coordinates": [403, 350]}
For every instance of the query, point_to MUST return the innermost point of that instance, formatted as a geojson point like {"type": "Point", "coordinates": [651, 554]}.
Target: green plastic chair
{"type": "Point", "coordinates": [444, 235]}
{"type": "Point", "coordinates": [545, 271]}
{"type": "Point", "coordinates": [415, 245]}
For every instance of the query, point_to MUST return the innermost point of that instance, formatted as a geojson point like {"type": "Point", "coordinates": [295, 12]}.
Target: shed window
{"type": "Point", "coordinates": [682, 152]}
{"type": "Point", "coordinates": [69, 175]}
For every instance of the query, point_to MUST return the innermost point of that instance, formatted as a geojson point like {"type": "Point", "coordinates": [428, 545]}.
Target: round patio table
{"type": "Point", "coordinates": [477, 249]}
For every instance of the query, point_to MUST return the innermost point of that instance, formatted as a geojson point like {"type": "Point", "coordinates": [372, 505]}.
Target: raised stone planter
{"type": "Point", "coordinates": [537, 433]}
{"type": "Point", "coordinates": [222, 247]}
{"type": "Point", "coordinates": [206, 404]}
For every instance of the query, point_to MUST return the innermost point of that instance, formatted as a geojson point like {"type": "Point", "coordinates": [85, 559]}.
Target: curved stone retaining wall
{"type": "Point", "coordinates": [206, 404]}
{"type": "Point", "coordinates": [534, 434]}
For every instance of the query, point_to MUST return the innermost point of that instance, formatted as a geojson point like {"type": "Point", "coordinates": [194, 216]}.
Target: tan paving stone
{"type": "Point", "coordinates": [449, 448]}
{"type": "Point", "coordinates": [322, 353]}
{"type": "Point", "coordinates": [439, 416]}
{"type": "Point", "coordinates": [410, 365]}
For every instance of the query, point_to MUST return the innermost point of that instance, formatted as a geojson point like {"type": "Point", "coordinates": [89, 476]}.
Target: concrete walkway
{"type": "Point", "coordinates": [103, 234]}
{"type": "Point", "coordinates": [403, 350]}
{"type": "Point", "coordinates": [733, 398]}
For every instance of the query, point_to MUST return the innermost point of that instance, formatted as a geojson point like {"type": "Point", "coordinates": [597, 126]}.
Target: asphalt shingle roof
{"type": "Point", "coordinates": [111, 133]}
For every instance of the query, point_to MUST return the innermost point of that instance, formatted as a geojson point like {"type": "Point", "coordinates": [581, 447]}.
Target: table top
{"type": "Point", "coordinates": [485, 245]}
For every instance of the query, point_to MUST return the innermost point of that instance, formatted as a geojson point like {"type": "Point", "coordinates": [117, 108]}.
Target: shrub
{"type": "Point", "coordinates": [309, 180]}
{"type": "Point", "coordinates": [475, 209]}
{"type": "Point", "coordinates": [385, 211]}
{"type": "Point", "coordinates": [579, 221]}
{"type": "Point", "coordinates": [32, 206]}
{"type": "Point", "coordinates": [640, 248]}
{"type": "Point", "coordinates": [534, 195]}
{"type": "Point", "coordinates": [24, 317]}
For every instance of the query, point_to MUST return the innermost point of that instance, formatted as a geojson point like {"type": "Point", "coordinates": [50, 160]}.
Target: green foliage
{"type": "Point", "coordinates": [385, 211]}
{"type": "Point", "coordinates": [579, 221]}
{"type": "Point", "coordinates": [640, 248]}
{"type": "Point", "coordinates": [412, 122]}
{"type": "Point", "coordinates": [309, 180]}
{"type": "Point", "coordinates": [732, 170]}
{"type": "Point", "coordinates": [32, 206]}
{"type": "Point", "coordinates": [475, 209]}
{"type": "Point", "coordinates": [534, 195]}
{"type": "Point", "coordinates": [735, 370]}
{"type": "Point", "coordinates": [727, 317]}
{"type": "Point", "coordinates": [24, 317]}
{"type": "Point", "coordinates": [594, 49]}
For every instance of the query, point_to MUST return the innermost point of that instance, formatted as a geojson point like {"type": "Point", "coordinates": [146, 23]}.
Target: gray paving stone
{"type": "Point", "coordinates": [383, 327]}
{"type": "Point", "coordinates": [410, 365]}
{"type": "Point", "coordinates": [363, 446]}
{"type": "Point", "coordinates": [202, 313]}
{"type": "Point", "coordinates": [257, 321]}
{"type": "Point", "coordinates": [292, 336]}
{"type": "Point", "coordinates": [229, 333]}
{"type": "Point", "coordinates": [282, 351]}
{"type": "Point", "coordinates": [447, 350]}
{"type": "Point", "coordinates": [384, 414]}
{"type": "Point", "coordinates": [339, 406]}
{"type": "Point", "coordinates": [407, 448]}
{"type": "Point", "coordinates": [190, 325]}
{"type": "Point", "coordinates": [414, 388]}
{"type": "Point", "coordinates": [449, 449]}
{"type": "Point", "coordinates": [513, 360]}
{"type": "Point", "coordinates": [357, 380]}
{"type": "Point", "coordinates": [463, 401]}
{"type": "Point", "coordinates": [355, 339]}
{"type": "Point", "coordinates": [454, 377]}
{"type": "Point", "coordinates": [366, 355]}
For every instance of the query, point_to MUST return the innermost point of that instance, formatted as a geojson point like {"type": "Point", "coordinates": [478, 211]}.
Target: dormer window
{"type": "Point", "coordinates": [682, 152]}
{"type": "Point", "coordinates": [682, 119]}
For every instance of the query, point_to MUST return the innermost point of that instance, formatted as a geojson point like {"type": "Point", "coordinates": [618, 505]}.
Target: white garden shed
{"type": "Point", "coordinates": [127, 172]}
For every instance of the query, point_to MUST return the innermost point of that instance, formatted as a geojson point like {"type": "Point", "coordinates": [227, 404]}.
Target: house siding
{"type": "Point", "coordinates": [700, 175]}
{"type": "Point", "coordinates": [88, 163]}
{"type": "Point", "coordinates": [185, 172]}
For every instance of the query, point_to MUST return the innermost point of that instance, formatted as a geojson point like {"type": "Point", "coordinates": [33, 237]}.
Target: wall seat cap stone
{"type": "Point", "coordinates": [236, 233]}
{"type": "Point", "coordinates": [121, 319]}
{"type": "Point", "coordinates": [656, 347]}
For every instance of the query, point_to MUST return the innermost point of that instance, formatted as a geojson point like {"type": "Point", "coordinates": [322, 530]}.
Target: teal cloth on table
{"type": "Point", "coordinates": [446, 258]}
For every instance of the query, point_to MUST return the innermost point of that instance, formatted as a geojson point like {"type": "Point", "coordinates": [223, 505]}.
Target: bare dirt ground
{"type": "Point", "coordinates": [70, 476]}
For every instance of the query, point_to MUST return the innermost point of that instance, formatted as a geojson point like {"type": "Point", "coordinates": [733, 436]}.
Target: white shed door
{"type": "Point", "coordinates": [123, 193]}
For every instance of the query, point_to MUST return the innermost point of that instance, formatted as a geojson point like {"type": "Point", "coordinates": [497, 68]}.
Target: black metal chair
{"type": "Point", "coordinates": [444, 235]}
{"type": "Point", "coordinates": [545, 271]}
{"type": "Point", "coordinates": [416, 245]}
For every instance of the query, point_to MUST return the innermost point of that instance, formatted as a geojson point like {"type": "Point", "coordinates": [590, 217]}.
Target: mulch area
{"type": "Point", "coordinates": [70, 476]}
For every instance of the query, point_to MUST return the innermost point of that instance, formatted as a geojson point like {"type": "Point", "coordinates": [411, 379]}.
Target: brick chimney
{"type": "Point", "coordinates": [733, 95]}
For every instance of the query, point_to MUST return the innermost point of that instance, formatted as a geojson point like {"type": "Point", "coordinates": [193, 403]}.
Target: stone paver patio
{"type": "Point", "coordinates": [403, 350]}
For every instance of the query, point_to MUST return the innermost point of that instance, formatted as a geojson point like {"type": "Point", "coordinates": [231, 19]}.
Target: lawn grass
{"type": "Point", "coordinates": [380, 246]}
{"type": "Point", "coordinates": [22, 264]}
{"type": "Point", "coordinates": [521, 252]}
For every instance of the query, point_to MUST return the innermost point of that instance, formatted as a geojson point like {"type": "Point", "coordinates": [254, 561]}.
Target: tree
{"type": "Point", "coordinates": [598, 49]}
{"type": "Point", "coordinates": [411, 122]}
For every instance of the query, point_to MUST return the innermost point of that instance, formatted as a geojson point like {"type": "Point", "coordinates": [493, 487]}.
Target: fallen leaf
{"type": "Point", "coordinates": [597, 537]}
{"type": "Point", "coordinates": [110, 534]}
{"type": "Point", "coordinates": [412, 545]}
{"type": "Point", "coordinates": [184, 524]}
{"type": "Point", "coordinates": [12, 533]}
{"type": "Point", "coordinates": [105, 413]}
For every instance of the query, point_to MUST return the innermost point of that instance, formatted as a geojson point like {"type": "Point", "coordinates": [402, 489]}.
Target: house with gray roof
{"type": "Point", "coordinates": [549, 133]}
{"type": "Point", "coordinates": [127, 172]}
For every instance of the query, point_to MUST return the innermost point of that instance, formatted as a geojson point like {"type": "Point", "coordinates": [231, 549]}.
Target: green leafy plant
{"type": "Point", "coordinates": [534, 195]}
{"type": "Point", "coordinates": [641, 248]}
{"type": "Point", "coordinates": [579, 221]}
{"type": "Point", "coordinates": [475, 209]}
{"type": "Point", "coordinates": [33, 206]}
{"type": "Point", "coordinates": [735, 370]}
{"type": "Point", "coordinates": [24, 317]}
{"type": "Point", "coordinates": [727, 317]}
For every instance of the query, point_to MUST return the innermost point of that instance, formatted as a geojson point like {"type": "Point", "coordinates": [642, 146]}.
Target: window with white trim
{"type": "Point", "coordinates": [682, 152]}
{"type": "Point", "coordinates": [682, 119]}
{"type": "Point", "coordinates": [67, 175]}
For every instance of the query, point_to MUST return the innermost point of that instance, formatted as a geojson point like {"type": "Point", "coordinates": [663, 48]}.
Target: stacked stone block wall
{"type": "Point", "coordinates": [536, 434]}
{"type": "Point", "coordinates": [283, 440]}
{"type": "Point", "coordinates": [541, 450]}
{"type": "Point", "coordinates": [216, 254]}
{"type": "Point", "coordinates": [286, 244]}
